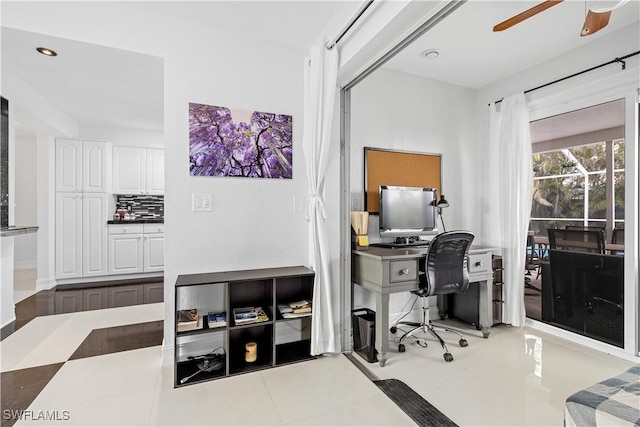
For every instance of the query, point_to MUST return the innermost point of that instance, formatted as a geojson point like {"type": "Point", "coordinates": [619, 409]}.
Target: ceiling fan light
{"type": "Point", "coordinates": [609, 9]}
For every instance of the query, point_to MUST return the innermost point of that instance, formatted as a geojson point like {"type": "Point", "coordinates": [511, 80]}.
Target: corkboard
{"type": "Point", "coordinates": [385, 167]}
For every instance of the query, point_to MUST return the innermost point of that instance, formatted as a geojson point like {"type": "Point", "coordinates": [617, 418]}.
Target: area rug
{"type": "Point", "coordinates": [414, 405]}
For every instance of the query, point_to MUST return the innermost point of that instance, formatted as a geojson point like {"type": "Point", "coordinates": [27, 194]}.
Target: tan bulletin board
{"type": "Point", "coordinates": [386, 167]}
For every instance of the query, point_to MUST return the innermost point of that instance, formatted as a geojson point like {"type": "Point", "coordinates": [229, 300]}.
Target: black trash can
{"type": "Point", "coordinates": [363, 322]}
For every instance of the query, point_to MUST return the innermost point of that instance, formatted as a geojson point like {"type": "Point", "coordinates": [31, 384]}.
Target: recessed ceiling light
{"type": "Point", "coordinates": [46, 51]}
{"type": "Point", "coordinates": [430, 54]}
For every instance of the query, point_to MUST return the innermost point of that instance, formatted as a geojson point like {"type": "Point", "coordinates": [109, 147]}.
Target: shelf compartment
{"type": "Point", "coordinates": [187, 368]}
{"type": "Point", "coordinates": [251, 293]}
{"type": "Point", "coordinates": [290, 289]}
{"type": "Point", "coordinates": [293, 340]}
{"type": "Point", "coordinates": [292, 352]}
{"type": "Point", "coordinates": [205, 298]}
{"type": "Point", "coordinates": [262, 335]}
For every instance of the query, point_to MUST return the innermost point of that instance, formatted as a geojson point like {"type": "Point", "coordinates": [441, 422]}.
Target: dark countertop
{"type": "Point", "coordinates": [137, 221]}
{"type": "Point", "coordinates": [14, 230]}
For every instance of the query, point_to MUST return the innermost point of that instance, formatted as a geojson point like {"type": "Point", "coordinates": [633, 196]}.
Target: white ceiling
{"type": "Point", "coordinates": [112, 87]}
{"type": "Point", "coordinates": [472, 55]}
{"type": "Point", "coordinates": [94, 85]}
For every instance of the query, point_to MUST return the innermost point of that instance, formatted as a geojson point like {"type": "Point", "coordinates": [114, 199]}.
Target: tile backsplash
{"type": "Point", "coordinates": [142, 206]}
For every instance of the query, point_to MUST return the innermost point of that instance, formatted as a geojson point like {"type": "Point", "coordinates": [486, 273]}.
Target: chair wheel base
{"type": "Point", "coordinates": [401, 348]}
{"type": "Point", "coordinates": [463, 342]}
{"type": "Point", "coordinates": [448, 357]}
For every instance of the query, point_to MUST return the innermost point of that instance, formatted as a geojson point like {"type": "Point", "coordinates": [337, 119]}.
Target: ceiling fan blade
{"type": "Point", "coordinates": [525, 15]}
{"type": "Point", "coordinates": [594, 22]}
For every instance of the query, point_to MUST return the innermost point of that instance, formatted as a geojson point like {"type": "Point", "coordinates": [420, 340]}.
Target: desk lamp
{"type": "Point", "coordinates": [360, 224]}
{"type": "Point", "coordinates": [441, 205]}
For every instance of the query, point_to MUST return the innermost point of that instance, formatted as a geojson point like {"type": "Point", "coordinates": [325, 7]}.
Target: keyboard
{"type": "Point", "coordinates": [418, 244]}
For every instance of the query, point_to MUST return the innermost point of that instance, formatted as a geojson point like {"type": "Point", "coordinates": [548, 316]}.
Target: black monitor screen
{"type": "Point", "coordinates": [407, 211]}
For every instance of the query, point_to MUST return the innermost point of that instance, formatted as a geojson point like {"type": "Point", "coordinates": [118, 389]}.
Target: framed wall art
{"type": "Point", "coordinates": [230, 142]}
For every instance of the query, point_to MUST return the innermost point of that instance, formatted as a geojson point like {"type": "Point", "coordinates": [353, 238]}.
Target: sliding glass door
{"type": "Point", "coordinates": [579, 184]}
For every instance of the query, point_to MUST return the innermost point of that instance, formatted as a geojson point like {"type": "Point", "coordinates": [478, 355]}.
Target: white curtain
{"type": "Point", "coordinates": [321, 71]}
{"type": "Point", "coordinates": [510, 146]}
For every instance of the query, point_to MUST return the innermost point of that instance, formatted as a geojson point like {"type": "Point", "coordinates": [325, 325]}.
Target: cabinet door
{"type": "Point", "coordinates": [68, 235]}
{"type": "Point", "coordinates": [125, 253]}
{"type": "Point", "coordinates": [94, 166]}
{"type": "Point", "coordinates": [94, 234]}
{"type": "Point", "coordinates": [129, 170]}
{"type": "Point", "coordinates": [68, 165]}
{"type": "Point", "coordinates": [155, 171]}
{"type": "Point", "coordinates": [153, 252]}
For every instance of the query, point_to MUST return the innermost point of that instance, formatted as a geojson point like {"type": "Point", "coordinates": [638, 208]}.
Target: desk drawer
{"type": "Point", "coordinates": [402, 271]}
{"type": "Point", "coordinates": [480, 264]}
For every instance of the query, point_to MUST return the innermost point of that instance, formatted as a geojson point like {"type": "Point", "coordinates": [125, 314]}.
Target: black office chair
{"type": "Point", "coordinates": [445, 273]}
{"type": "Point", "coordinates": [577, 240]}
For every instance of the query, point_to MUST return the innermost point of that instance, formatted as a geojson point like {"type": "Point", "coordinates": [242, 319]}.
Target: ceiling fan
{"type": "Point", "coordinates": [595, 20]}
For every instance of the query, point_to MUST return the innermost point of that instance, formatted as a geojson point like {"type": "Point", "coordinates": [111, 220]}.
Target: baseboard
{"type": "Point", "coordinates": [167, 355]}
{"type": "Point", "coordinates": [124, 278]}
{"type": "Point", "coordinates": [9, 322]}
{"type": "Point", "coordinates": [45, 284]}
{"type": "Point", "coordinates": [25, 265]}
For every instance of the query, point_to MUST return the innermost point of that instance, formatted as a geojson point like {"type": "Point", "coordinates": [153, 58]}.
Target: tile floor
{"type": "Point", "coordinates": [517, 377]}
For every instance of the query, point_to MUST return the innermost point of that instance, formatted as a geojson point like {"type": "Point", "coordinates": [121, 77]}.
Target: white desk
{"type": "Point", "coordinates": [387, 271]}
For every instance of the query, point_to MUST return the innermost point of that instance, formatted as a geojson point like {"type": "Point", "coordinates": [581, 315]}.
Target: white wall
{"type": "Point", "coordinates": [398, 111]}
{"type": "Point", "coordinates": [253, 223]}
{"type": "Point", "coordinates": [123, 136]}
{"type": "Point", "coordinates": [25, 251]}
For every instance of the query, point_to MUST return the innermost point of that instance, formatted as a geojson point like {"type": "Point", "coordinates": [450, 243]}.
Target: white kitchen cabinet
{"type": "Point", "coordinates": [82, 180]}
{"type": "Point", "coordinates": [153, 252]}
{"type": "Point", "coordinates": [138, 170]}
{"type": "Point", "coordinates": [94, 234]}
{"type": "Point", "coordinates": [81, 246]}
{"type": "Point", "coordinates": [68, 165]}
{"type": "Point", "coordinates": [95, 166]}
{"type": "Point", "coordinates": [155, 171]}
{"type": "Point", "coordinates": [136, 248]}
{"type": "Point", "coordinates": [129, 170]}
{"type": "Point", "coordinates": [82, 166]}
{"type": "Point", "coordinates": [68, 235]}
{"type": "Point", "coordinates": [126, 249]}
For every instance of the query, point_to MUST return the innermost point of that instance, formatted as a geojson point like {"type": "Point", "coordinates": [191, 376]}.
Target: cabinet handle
{"type": "Point", "coordinates": [404, 271]}
{"type": "Point", "coordinates": [479, 264]}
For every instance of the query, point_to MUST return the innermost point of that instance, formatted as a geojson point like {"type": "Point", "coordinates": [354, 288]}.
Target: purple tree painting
{"type": "Point", "coordinates": [251, 144]}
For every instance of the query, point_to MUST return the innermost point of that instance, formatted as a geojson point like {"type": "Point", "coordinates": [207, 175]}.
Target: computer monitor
{"type": "Point", "coordinates": [407, 211]}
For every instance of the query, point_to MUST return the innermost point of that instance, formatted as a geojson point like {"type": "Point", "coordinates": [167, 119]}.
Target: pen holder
{"type": "Point", "coordinates": [360, 225]}
{"type": "Point", "coordinates": [251, 352]}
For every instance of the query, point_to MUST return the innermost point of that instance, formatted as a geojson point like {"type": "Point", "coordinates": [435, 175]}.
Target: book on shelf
{"type": "Point", "coordinates": [301, 310]}
{"type": "Point", "coordinates": [290, 313]}
{"type": "Point", "coordinates": [300, 304]}
{"type": "Point", "coordinates": [188, 320]}
{"type": "Point", "coordinates": [217, 319]}
{"type": "Point", "coordinates": [245, 315]}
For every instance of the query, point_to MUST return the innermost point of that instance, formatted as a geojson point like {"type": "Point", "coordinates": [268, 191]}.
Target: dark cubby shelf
{"type": "Point", "coordinates": [265, 288]}
{"type": "Point", "coordinates": [297, 351]}
{"type": "Point", "coordinates": [189, 367]}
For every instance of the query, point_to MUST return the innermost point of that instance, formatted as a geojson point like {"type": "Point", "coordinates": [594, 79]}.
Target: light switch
{"type": "Point", "coordinates": [202, 203]}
